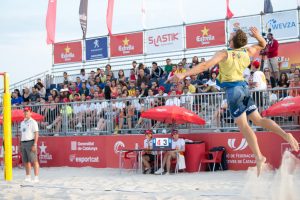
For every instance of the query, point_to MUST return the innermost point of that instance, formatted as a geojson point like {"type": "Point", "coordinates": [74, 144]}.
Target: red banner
{"type": "Point", "coordinates": [127, 44]}
{"type": "Point", "coordinates": [67, 52]}
{"type": "Point", "coordinates": [103, 151]}
{"type": "Point", "coordinates": [204, 35]}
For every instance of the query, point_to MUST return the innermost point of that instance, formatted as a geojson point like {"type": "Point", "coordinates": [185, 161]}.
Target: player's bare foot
{"type": "Point", "coordinates": [293, 142]}
{"type": "Point", "coordinates": [259, 164]}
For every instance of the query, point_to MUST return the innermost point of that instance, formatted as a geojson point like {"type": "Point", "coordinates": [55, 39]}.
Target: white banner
{"type": "Point", "coordinates": [283, 25]}
{"type": "Point", "coordinates": [164, 40]}
{"type": "Point", "coordinates": [244, 23]}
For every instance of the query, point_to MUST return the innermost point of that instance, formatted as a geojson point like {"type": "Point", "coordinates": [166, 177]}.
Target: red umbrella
{"type": "Point", "coordinates": [17, 115]}
{"type": "Point", "coordinates": [286, 107]}
{"type": "Point", "coordinates": [173, 115]}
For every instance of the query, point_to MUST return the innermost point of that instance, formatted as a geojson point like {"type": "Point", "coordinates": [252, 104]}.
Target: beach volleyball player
{"type": "Point", "coordinates": [232, 63]}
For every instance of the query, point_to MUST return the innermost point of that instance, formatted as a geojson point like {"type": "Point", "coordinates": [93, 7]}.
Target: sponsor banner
{"type": "Point", "coordinates": [16, 150]}
{"type": "Point", "coordinates": [205, 35]}
{"type": "Point", "coordinates": [283, 25]}
{"type": "Point", "coordinates": [126, 44]}
{"type": "Point", "coordinates": [244, 23]}
{"type": "Point", "coordinates": [104, 151]}
{"type": "Point", "coordinates": [67, 52]}
{"type": "Point", "coordinates": [96, 48]}
{"type": "Point", "coordinates": [164, 40]}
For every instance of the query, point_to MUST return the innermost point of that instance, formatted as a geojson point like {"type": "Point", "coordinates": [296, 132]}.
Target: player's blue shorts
{"type": "Point", "coordinates": [239, 100]}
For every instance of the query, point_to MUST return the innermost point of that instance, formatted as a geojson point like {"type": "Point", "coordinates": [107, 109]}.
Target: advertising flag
{"type": "Point", "coordinates": [268, 8]}
{"type": "Point", "coordinates": [109, 15]}
{"type": "Point", "coordinates": [83, 8]}
{"type": "Point", "coordinates": [229, 14]}
{"type": "Point", "coordinates": [51, 21]}
{"type": "Point", "coordinates": [205, 35]}
{"type": "Point", "coordinates": [96, 48]}
{"type": "Point", "coordinates": [68, 52]}
{"type": "Point", "coordinates": [126, 44]}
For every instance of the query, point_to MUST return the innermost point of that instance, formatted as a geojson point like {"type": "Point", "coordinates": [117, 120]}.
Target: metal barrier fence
{"type": "Point", "coordinates": [122, 116]}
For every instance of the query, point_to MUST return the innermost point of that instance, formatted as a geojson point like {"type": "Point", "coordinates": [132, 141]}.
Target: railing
{"type": "Point", "coordinates": [122, 116]}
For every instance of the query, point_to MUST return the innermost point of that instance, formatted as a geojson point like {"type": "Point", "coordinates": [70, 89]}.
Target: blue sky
{"type": "Point", "coordinates": [23, 48]}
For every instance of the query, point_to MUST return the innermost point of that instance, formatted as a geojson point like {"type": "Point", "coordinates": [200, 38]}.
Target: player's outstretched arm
{"type": "Point", "coordinates": [256, 48]}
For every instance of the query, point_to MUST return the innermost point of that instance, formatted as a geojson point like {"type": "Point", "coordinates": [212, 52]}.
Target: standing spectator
{"type": "Point", "coordinates": [142, 78]}
{"type": "Point", "coordinates": [148, 157]}
{"type": "Point", "coordinates": [259, 79]}
{"type": "Point", "coordinates": [157, 71]}
{"type": "Point", "coordinates": [180, 68]}
{"type": "Point", "coordinates": [41, 89]}
{"type": "Point", "coordinates": [135, 68]}
{"type": "Point", "coordinates": [168, 66]}
{"type": "Point", "coordinates": [247, 73]}
{"type": "Point", "coordinates": [271, 51]}
{"type": "Point", "coordinates": [83, 77]}
{"type": "Point", "coordinates": [29, 140]}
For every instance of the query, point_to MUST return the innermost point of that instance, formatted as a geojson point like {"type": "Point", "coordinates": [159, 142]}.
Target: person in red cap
{"type": "Point", "coordinates": [259, 78]}
{"type": "Point", "coordinates": [148, 157]}
{"type": "Point", "coordinates": [179, 145]}
{"type": "Point", "coordinates": [29, 140]}
{"type": "Point", "coordinates": [232, 62]}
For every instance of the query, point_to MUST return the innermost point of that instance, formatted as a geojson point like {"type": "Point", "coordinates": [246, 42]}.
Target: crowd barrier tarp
{"type": "Point", "coordinates": [205, 35]}
{"type": "Point", "coordinates": [244, 23]}
{"type": "Point", "coordinates": [164, 40]}
{"type": "Point", "coordinates": [103, 151]}
{"type": "Point", "coordinates": [96, 48]}
{"type": "Point", "coordinates": [126, 44]}
{"type": "Point", "coordinates": [283, 25]}
{"type": "Point", "coordinates": [68, 52]}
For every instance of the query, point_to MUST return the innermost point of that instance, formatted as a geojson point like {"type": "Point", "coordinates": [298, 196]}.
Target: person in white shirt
{"type": "Point", "coordinates": [259, 84]}
{"type": "Point", "coordinates": [211, 84]}
{"type": "Point", "coordinates": [179, 145]}
{"type": "Point", "coordinates": [78, 110]}
{"type": "Point", "coordinates": [247, 74]}
{"type": "Point", "coordinates": [29, 140]}
{"type": "Point", "coordinates": [173, 100]}
{"type": "Point", "coordinates": [187, 99]}
{"type": "Point", "coordinates": [148, 157]}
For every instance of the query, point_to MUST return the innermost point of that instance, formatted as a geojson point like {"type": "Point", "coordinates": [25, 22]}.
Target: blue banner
{"type": "Point", "coordinates": [96, 48]}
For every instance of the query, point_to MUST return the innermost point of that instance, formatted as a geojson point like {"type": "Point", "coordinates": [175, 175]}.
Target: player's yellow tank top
{"type": "Point", "coordinates": [231, 69]}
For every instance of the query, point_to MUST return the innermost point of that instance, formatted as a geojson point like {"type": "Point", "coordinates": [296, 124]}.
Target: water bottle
{"type": "Point", "coordinates": [136, 146]}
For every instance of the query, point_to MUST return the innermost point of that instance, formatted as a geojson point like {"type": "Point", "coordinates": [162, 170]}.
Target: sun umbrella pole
{"type": "Point", "coordinates": [7, 129]}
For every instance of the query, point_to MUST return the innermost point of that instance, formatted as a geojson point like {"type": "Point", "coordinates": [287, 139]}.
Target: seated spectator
{"type": "Point", "coordinates": [84, 90]}
{"type": "Point", "coordinates": [179, 145]}
{"type": "Point", "coordinates": [172, 100]}
{"type": "Point", "coordinates": [26, 95]}
{"type": "Point", "coordinates": [269, 78]}
{"type": "Point", "coordinates": [282, 84]}
{"type": "Point", "coordinates": [222, 114]}
{"type": "Point", "coordinates": [291, 72]}
{"type": "Point", "coordinates": [16, 100]}
{"type": "Point", "coordinates": [195, 61]}
{"type": "Point", "coordinates": [132, 76]}
{"type": "Point", "coordinates": [180, 68]}
{"type": "Point", "coordinates": [157, 71]}
{"type": "Point", "coordinates": [102, 76]}
{"type": "Point", "coordinates": [66, 79]}
{"type": "Point", "coordinates": [192, 88]}
{"type": "Point", "coordinates": [185, 64]}
{"type": "Point", "coordinates": [54, 93]}
{"type": "Point", "coordinates": [154, 87]}
{"type": "Point", "coordinates": [97, 73]}
{"type": "Point", "coordinates": [132, 88]}
{"type": "Point", "coordinates": [144, 90]}
{"type": "Point", "coordinates": [142, 78]}
{"type": "Point", "coordinates": [41, 89]}
{"type": "Point", "coordinates": [146, 70]}
{"type": "Point", "coordinates": [108, 71]}
{"type": "Point", "coordinates": [211, 85]}
{"type": "Point", "coordinates": [83, 77]}
{"type": "Point", "coordinates": [186, 99]}
{"type": "Point", "coordinates": [113, 88]}
{"type": "Point", "coordinates": [148, 157]}
{"type": "Point", "coordinates": [247, 73]}
{"type": "Point", "coordinates": [295, 83]}
{"type": "Point", "coordinates": [121, 76]}
{"type": "Point", "coordinates": [34, 95]}
{"type": "Point", "coordinates": [171, 74]}
{"type": "Point", "coordinates": [92, 75]}
{"type": "Point", "coordinates": [135, 69]}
